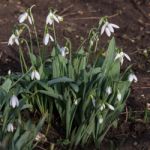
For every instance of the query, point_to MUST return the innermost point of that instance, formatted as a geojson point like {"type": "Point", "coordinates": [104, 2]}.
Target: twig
{"type": "Point", "coordinates": [144, 87]}
{"type": "Point", "coordinates": [93, 17]}
{"type": "Point", "coordinates": [66, 9]}
{"type": "Point", "coordinates": [139, 9]}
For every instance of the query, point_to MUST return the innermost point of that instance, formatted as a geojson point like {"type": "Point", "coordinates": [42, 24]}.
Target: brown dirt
{"type": "Point", "coordinates": [133, 17]}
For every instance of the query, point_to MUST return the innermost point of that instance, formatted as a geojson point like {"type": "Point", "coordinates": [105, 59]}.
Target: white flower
{"type": "Point", "coordinates": [110, 106]}
{"type": "Point", "coordinates": [60, 18]}
{"type": "Point", "coordinates": [119, 96]}
{"type": "Point", "coordinates": [108, 90]}
{"type": "Point", "coordinates": [13, 39]}
{"type": "Point", "coordinates": [14, 102]}
{"type": "Point", "coordinates": [100, 120]}
{"type": "Point", "coordinates": [52, 17]}
{"type": "Point", "coordinates": [76, 102]}
{"type": "Point", "coordinates": [102, 107]}
{"type": "Point", "coordinates": [10, 127]}
{"type": "Point", "coordinates": [108, 28]}
{"type": "Point", "coordinates": [46, 39]}
{"type": "Point", "coordinates": [132, 77]}
{"type": "Point", "coordinates": [35, 75]}
{"type": "Point", "coordinates": [121, 56]}
{"type": "Point", "coordinates": [64, 51]}
{"type": "Point", "coordinates": [25, 16]}
{"type": "Point", "coordinates": [9, 72]}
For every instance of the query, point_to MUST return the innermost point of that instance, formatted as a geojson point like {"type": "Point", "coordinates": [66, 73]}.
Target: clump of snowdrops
{"type": "Point", "coordinates": [88, 91]}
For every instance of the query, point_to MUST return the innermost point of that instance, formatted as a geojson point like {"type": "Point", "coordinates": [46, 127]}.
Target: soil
{"type": "Point", "coordinates": [133, 17]}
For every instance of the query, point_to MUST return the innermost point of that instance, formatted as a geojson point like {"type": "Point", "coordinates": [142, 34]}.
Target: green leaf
{"type": "Point", "coordinates": [109, 56]}
{"type": "Point", "coordinates": [60, 80]}
{"type": "Point", "coordinates": [7, 85]}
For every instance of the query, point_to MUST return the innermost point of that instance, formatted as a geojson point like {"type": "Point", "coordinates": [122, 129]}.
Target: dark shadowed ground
{"type": "Point", "coordinates": [132, 16]}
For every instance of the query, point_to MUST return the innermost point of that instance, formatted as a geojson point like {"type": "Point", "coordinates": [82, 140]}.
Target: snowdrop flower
{"type": "Point", "coordinates": [75, 102]}
{"type": "Point", "coordinates": [25, 16]}
{"type": "Point", "coordinates": [52, 17]}
{"type": "Point", "coordinates": [46, 39]}
{"type": "Point", "coordinates": [14, 102]}
{"type": "Point", "coordinates": [102, 107]}
{"type": "Point", "coordinates": [100, 120]}
{"type": "Point", "coordinates": [121, 56]}
{"type": "Point", "coordinates": [110, 107]}
{"type": "Point", "coordinates": [9, 72]}
{"type": "Point", "coordinates": [108, 90]}
{"type": "Point", "coordinates": [119, 96]}
{"type": "Point", "coordinates": [108, 28]}
{"type": "Point", "coordinates": [132, 77]}
{"type": "Point", "coordinates": [13, 39]}
{"type": "Point", "coordinates": [35, 75]}
{"type": "Point", "coordinates": [60, 18]}
{"type": "Point", "coordinates": [64, 51]}
{"type": "Point", "coordinates": [10, 127]}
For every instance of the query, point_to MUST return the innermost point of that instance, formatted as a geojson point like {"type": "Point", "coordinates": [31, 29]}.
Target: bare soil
{"type": "Point", "coordinates": [133, 17]}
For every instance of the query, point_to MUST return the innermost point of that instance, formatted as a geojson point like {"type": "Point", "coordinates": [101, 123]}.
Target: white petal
{"type": "Point", "coordinates": [110, 107]}
{"type": "Point", "coordinates": [51, 38]}
{"type": "Point", "coordinates": [127, 56]}
{"type": "Point", "coordinates": [11, 40]}
{"type": "Point", "coordinates": [110, 28]}
{"type": "Point", "coordinates": [23, 17]}
{"type": "Point", "coordinates": [60, 18]}
{"type": "Point", "coordinates": [132, 77]}
{"type": "Point", "coordinates": [32, 75]}
{"type": "Point", "coordinates": [108, 90]}
{"type": "Point", "coordinates": [37, 75]}
{"type": "Point", "coordinates": [46, 39]}
{"type": "Point", "coordinates": [100, 120]}
{"type": "Point", "coordinates": [55, 18]}
{"type": "Point", "coordinates": [135, 78]}
{"type": "Point", "coordinates": [14, 102]}
{"type": "Point", "coordinates": [103, 28]}
{"type": "Point", "coordinates": [114, 25]}
{"type": "Point", "coordinates": [10, 127]}
{"type": "Point", "coordinates": [102, 107]}
{"type": "Point", "coordinates": [107, 32]}
{"type": "Point", "coordinates": [49, 19]}
{"type": "Point", "coordinates": [17, 41]}
{"type": "Point", "coordinates": [63, 51]}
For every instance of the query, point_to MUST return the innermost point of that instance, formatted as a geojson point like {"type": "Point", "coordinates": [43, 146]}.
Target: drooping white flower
{"type": "Point", "coordinates": [10, 127]}
{"type": "Point", "coordinates": [102, 107]}
{"type": "Point", "coordinates": [119, 97]}
{"type": "Point", "coordinates": [60, 18]}
{"type": "Point", "coordinates": [9, 72]}
{"type": "Point", "coordinates": [76, 102]}
{"type": "Point", "coordinates": [46, 39]}
{"type": "Point", "coordinates": [53, 17]}
{"type": "Point", "coordinates": [108, 28]}
{"type": "Point", "coordinates": [108, 90]}
{"type": "Point", "coordinates": [121, 56]}
{"type": "Point", "coordinates": [132, 77]}
{"type": "Point", "coordinates": [35, 75]}
{"type": "Point", "coordinates": [64, 51]}
{"type": "Point", "coordinates": [13, 39]}
{"type": "Point", "coordinates": [110, 106]}
{"type": "Point", "coordinates": [14, 102]}
{"type": "Point", "coordinates": [100, 120]}
{"type": "Point", "coordinates": [25, 16]}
